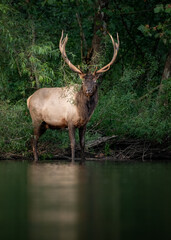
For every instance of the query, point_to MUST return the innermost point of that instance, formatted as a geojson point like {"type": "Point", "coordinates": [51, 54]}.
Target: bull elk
{"type": "Point", "coordinates": [56, 108]}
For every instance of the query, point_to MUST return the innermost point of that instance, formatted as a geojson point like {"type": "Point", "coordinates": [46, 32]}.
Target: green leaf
{"type": "Point", "coordinates": [40, 78]}
{"type": "Point", "coordinates": [141, 28]}
{"type": "Point", "coordinates": [159, 8]}
{"type": "Point", "coordinates": [168, 8]}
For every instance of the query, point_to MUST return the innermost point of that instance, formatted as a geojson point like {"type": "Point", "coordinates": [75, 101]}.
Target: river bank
{"type": "Point", "coordinates": [106, 148]}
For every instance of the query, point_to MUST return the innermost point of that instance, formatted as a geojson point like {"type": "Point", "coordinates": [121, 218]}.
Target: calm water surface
{"type": "Point", "coordinates": [106, 200]}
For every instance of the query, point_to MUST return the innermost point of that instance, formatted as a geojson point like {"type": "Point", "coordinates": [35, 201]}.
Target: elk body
{"type": "Point", "coordinates": [67, 107]}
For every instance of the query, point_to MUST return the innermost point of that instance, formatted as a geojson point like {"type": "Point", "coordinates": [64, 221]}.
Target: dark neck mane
{"type": "Point", "coordinates": [86, 105]}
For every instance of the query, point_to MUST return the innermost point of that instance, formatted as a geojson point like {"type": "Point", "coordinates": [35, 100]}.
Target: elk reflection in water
{"type": "Point", "coordinates": [54, 207]}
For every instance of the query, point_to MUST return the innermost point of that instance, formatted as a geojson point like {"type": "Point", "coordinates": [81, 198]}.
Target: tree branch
{"type": "Point", "coordinates": [82, 36]}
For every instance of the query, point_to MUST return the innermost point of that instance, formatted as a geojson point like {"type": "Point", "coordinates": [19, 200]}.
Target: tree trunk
{"type": "Point", "coordinates": [99, 25]}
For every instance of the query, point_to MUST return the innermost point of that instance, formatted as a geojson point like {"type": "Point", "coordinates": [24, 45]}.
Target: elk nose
{"type": "Point", "coordinates": [88, 91]}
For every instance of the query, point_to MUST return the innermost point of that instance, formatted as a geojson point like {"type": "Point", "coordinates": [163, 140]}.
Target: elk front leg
{"type": "Point", "coordinates": [72, 140]}
{"type": "Point", "coordinates": [82, 131]}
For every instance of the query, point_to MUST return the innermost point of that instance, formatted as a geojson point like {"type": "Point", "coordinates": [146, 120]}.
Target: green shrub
{"type": "Point", "coordinates": [123, 113]}
{"type": "Point", "coordinates": [15, 128]}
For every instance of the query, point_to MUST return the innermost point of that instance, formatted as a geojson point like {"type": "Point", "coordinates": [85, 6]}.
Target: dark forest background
{"type": "Point", "coordinates": [134, 96]}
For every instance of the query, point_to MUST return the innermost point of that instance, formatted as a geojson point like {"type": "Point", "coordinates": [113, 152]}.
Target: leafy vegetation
{"type": "Point", "coordinates": [134, 96]}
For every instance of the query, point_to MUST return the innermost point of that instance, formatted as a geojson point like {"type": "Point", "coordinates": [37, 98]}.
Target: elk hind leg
{"type": "Point", "coordinates": [39, 129]}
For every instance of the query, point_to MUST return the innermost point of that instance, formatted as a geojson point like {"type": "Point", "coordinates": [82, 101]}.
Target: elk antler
{"type": "Point", "coordinates": [116, 48]}
{"type": "Point", "coordinates": [62, 44]}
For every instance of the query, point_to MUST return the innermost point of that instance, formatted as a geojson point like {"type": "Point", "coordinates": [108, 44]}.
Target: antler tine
{"type": "Point", "coordinates": [62, 44]}
{"type": "Point", "coordinates": [116, 49]}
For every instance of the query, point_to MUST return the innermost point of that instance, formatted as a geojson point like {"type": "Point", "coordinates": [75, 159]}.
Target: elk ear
{"type": "Point", "coordinates": [82, 75]}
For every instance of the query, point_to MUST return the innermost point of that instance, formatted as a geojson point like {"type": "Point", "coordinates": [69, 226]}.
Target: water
{"type": "Point", "coordinates": [96, 201]}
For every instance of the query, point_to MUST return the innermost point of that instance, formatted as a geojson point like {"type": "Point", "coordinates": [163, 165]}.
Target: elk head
{"type": "Point", "coordinates": [89, 80]}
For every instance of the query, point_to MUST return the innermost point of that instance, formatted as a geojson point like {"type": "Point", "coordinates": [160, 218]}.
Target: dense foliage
{"type": "Point", "coordinates": [134, 95]}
